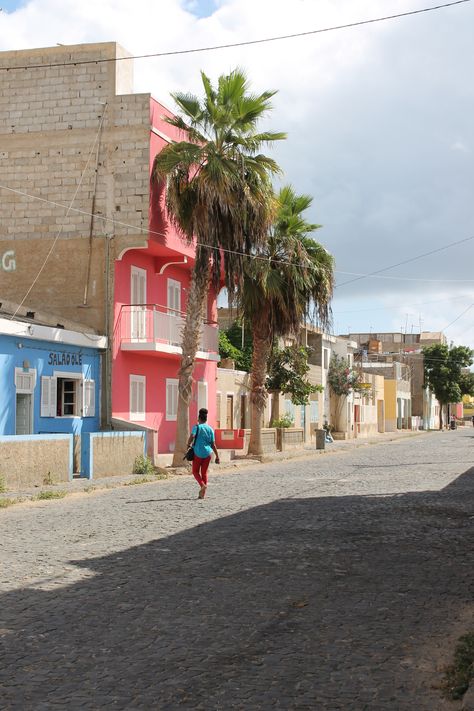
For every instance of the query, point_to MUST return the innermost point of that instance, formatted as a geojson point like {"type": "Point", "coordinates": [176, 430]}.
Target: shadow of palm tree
{"type": "Point", "coordinates": [304, 603]}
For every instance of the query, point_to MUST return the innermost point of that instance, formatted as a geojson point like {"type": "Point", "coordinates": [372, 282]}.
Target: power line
{"type": "Point", "coordinates": [400, 278]}
{"type": "Point", "coordinates": [51, 249]}
{"type": "Point", "coordinates": [458, 317]}
{"type": "Point", "coordinates": [407, 261]}
{"type": "Point", "coordinates": [264, 258]}
{"type": "Point", "coordinates": [403, 306]}
{"type": "Point", "coordinates": [245, 43]}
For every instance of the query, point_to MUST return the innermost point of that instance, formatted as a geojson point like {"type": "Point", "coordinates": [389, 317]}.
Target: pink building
{"type": "Point", "coordinates": [77, 136]}
{"type": "Point", "coordinates": [151, 288]}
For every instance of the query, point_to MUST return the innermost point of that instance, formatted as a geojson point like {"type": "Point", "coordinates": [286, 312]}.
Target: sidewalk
{"type": "Point", "coordinates": [82, 485]}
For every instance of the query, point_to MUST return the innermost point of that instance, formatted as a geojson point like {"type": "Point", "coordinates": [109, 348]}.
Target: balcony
{"type": "Point", "coordinates": [152, 328]}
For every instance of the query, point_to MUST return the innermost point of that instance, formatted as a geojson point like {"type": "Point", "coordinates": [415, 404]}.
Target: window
{"type": "Point", "coordinates": [243, 411]}
{"type": "Point", "coordinates": [138, 301]}
{"type": "Point", "coordinates": [137, 397]}
{"type": "Point", "coordinates": [202, 395]}
{"type": "Point", "coordinates": [174, 296]}
{"type": "Point", "coordinates": [290, 409]}
{"type": "Point", "coordinates": [314, 411]}
{"type": "Point", "coordinates": [171, 399]}
{"type": "Point", "coordinates": [25, 381]}
{"type": "Point", "coordinates": [218, 410]}
{"type": "Point", "coordinates": [325, 358]}
{"type": "Point", "coordinates": [67, 395]}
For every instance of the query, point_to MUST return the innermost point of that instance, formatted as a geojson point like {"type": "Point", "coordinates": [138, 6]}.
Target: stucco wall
{"type": "Point", "coordinates": [111, 453]}
{"type": "Point", "coordinates": [27, 460]}
{"type": "Point", "coordinates": [390, 397]}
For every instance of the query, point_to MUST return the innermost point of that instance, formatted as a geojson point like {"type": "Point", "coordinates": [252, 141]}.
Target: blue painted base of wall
{"type": "Point", "coordinates": [87, 448]}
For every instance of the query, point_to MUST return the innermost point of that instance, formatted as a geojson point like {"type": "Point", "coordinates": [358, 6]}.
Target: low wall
{"type": "Point", "coordinates": [269, 440]}
{"type": "Point", "coordinates": [119, 425]}
{"type": "Point", "coordinates": [27, 460]}
{"type": "Point", "coordinates": [367, 429]}
{"type": "Point", "coordinates": [290, 438]}
{"type": "Point", "coordinates": [230, 439]}
{"type": "Point", "coordinates": [110, 453]}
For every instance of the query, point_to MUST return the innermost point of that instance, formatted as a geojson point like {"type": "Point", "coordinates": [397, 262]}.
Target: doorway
{"type": "Point", "coordinates": [24, 414]}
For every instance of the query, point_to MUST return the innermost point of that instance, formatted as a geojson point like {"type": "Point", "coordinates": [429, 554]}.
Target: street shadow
{"type": "Point", "coordinates": [304, 603]}
{"type": "Point", "coordinates": [154, 501]}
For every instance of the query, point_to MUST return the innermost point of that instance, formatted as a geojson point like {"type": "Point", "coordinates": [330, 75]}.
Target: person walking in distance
{"type": "Point", "coordinates": [202, 435]}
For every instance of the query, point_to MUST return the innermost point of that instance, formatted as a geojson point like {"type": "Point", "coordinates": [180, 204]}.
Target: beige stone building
{"type": "Point", "coordinates": [74, 141]}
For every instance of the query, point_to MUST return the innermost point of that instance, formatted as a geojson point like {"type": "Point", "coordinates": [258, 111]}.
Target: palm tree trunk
{"type": "Point", "coordinates": [262, 346]}
{"type": "Point", "coordinates": [275, 411]}
{"type": "Point", "coordinates": [195, 306]}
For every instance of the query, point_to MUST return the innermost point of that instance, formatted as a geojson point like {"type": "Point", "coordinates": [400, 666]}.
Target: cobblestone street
{"type": "Point", "coordinates": [332, 582]}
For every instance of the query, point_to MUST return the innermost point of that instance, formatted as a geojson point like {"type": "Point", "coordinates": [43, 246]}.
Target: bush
{"type": "Point", "coordinates": [143, 466]}
{"type": "Point", "coordinates": [3, 484]}
{"type": "Point", "coordinates": [284, 421]}
{"type": "Point", "coordinates": [459, 675]}
{"type": "Point", "coordinates": [44, 495]}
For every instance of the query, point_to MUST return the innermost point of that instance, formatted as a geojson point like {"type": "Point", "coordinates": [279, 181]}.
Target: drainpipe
{"type": "Point", "coordinates": [91, 226]}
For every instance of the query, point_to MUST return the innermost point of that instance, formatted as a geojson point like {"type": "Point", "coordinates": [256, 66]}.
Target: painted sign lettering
{"type": "Point", "coordinates": [8, 261]}
{"type": "Point", "coordinates": [65, 359]}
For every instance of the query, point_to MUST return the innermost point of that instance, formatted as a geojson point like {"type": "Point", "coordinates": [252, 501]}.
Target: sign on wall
{"type": "Point", "coordinates": [8, 261]}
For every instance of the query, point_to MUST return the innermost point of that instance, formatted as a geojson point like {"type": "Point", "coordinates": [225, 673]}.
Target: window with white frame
{"type": "Point", "coordinates": [171, 399]}
{"type": "Point", "coordinates": [201, 394]}
{"type": "Point", "coordinates": [67, 395]}
{"type": "Point", "coordinates": [137, 397]}
{"type": "Point", "coordinates": [174, 296]}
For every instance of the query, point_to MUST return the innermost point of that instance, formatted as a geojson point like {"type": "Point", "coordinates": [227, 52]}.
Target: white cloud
{"type": "Point", "coordinates": [379, 119]}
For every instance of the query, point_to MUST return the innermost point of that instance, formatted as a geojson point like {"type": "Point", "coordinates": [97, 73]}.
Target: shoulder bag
{"type": "Point", "coordinates": [189, 456]}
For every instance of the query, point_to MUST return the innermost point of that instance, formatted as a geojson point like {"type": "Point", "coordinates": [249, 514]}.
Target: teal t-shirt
{"type": "Point", "coordinates": [205, 438]}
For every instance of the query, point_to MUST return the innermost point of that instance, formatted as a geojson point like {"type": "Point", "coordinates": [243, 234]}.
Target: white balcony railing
{"type": "Point", "coordinates": [150, 325]}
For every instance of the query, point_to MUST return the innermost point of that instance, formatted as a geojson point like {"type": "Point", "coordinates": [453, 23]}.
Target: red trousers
{"type": "Point", "coordinates": [200, 467]}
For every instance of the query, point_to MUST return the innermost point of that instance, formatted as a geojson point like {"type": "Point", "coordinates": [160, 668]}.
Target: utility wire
{"type": "Point", "coordinates": [458, 317]}
{"type": "Point", "coordinates": [407, 261]}
{"type": "Point", "coordinates": [51, 249]}
{"type": "Point", "coordinates": [244, 43]}
{"type": "Point", "coordinates": [403, 306]}
{"type": "Point", "coordinates": [137, 228]}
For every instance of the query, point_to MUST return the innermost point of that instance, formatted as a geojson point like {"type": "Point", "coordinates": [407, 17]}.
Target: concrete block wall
{"type": "Point", "coordinates": [30, 460]}
{"type": "Point", "coordinates": [49, 127]}
{"type": "Point", "coordinates": [111, 453]}
{"type": "Point", "coordinates": [289, 438]}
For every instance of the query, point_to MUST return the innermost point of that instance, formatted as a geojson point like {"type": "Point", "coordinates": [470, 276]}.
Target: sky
{"type": "Point", "coordinates": [379, 123]}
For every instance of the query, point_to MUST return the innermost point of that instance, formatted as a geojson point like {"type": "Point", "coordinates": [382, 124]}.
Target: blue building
{"type": "Point", "coordinates": [49, 379]}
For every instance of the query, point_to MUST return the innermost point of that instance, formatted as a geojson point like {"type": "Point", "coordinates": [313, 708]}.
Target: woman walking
{"type": "Point", "coordinates": [204, 444]}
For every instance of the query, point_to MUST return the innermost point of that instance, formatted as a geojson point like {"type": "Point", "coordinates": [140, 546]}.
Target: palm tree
{"type": "Point", "coordinates": [291, 279]}
{"type": "Point", "coordinates": [219, 193]}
